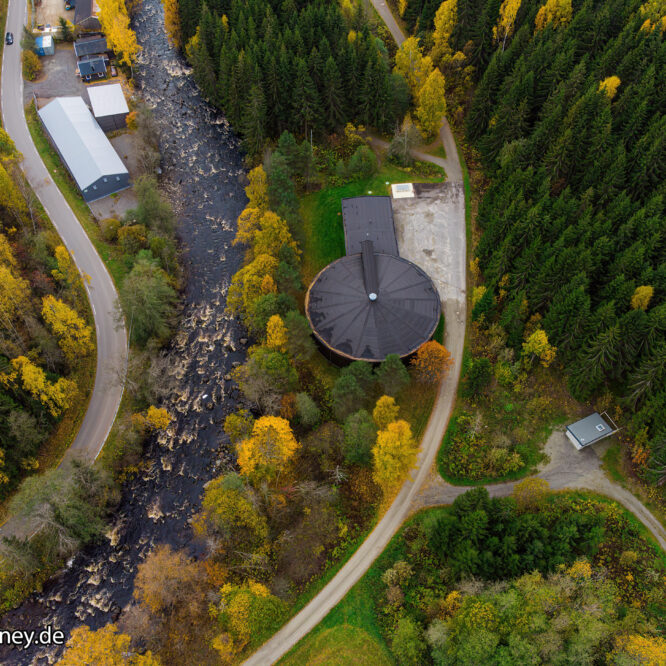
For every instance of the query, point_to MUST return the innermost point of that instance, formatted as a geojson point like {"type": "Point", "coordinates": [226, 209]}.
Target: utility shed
{"type": "Point", "coordinates": [369, 218]}
{"type": "Point", "coordinates": [93, 45]}
{"type": "Point", "coordinates": [367, 305]}
{"type": "Point", "coordinates": [589, 430]}
{"type": "Point", "coordinates": [109, 106]}
{"type": "Point", "coordinates": [92, 67]}
{"type": "Point", "coordinates": [84, 148]}
{"type": "Point", "coordinates": [44, 45]}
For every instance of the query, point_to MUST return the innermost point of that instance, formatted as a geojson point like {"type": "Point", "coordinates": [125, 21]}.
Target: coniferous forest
{"type": "Point", "coordinates": [569, 124]}
{"type": "Point", "coordinates": [296, 66]}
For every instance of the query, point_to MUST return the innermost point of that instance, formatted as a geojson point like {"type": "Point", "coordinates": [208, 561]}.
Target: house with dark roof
{"type": "Point", "coordinates": [93, 45]}
{"type": "Point", "coordinates": [92, 67]}
{"type": "Point", "coordinates": [86, 15]}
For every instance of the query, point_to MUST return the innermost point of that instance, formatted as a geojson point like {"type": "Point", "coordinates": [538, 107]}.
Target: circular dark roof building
{"type": "Point", "coordinates": [367, 305]}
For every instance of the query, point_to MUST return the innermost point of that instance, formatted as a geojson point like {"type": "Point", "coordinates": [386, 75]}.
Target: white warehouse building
{"type": "Point", "coordinates": [84, 148]}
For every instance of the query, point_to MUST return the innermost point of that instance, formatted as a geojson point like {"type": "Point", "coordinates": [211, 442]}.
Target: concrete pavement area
{"type": "Point", "coordinates": [426, 227]}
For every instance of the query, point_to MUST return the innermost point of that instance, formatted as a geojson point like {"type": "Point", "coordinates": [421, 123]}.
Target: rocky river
{"type": "Point", "coordinates": [204, 176]}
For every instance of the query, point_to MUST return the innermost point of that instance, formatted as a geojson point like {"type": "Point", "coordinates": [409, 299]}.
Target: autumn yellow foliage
{"type": "Point", "coordinates": [446, 18]}
{"type": "Point", "coordinates": [507, 19]}
{"type": "Point", "coordinates": [412, 64]}
{"type": "Point", "coordinates": [257, 189]}
{"type": "Point", "coordinates": [643, 650]}
{"type": "Point", "coordinates": [172, 21]}
{"type": "Point", "coordinates": [103, 647]}
{"type": "Point", "coordinates": [537, 345]}
{"type": "Point", "coordinates": [557, 12]}
{"type": "Point", "coordinates": [431, 103]}
{"type": "Point", "coordinates": [66, 271]}
{"type": "Point", "coordinates": [267, 451]}
{"type": "Point", "coordinates": [55, 396]}
{"type": "Point", "coordinates": [248, 223]}
{"type": "Point", "coordinates": [610, 85]}
{"type": "Point", "coordinates": [116, 25]}
{"type": "Point", "coordinates": [385, 411]}
{"type": "Point", "coordinates": [642, 297]}
{"type": "Point", "coordinates": [14, 295]}
{"type": "Point", "coordinates": [246, 284]}
{"type": "Point", "coordinates": [393, 455]}
{"type": "Point", "coordinates": [74, 336]}
{"type": "Point", "coordinates": [271, 234]}
{"type": "Point", "coordinates": [276, 334]}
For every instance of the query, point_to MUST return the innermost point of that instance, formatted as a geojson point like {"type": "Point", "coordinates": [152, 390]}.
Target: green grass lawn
{"type": "Point", "coordinates": [110, 255]}
{"type": "Point", "coordinates": [437, 151]}
{"type": "Point", "coordinates": [322, 237]}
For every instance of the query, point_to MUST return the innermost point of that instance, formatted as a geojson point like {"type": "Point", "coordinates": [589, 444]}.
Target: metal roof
{"type": "Point", "coordinates": [81, 142]}
{"type": "Point", "coordinates": [369, 218]}
{"type": "Point", "coordinates": [44, 41]}
{"type": "Point", "coordinates": [588, 430]}
{"type": "Point", "coordinates": [90, 46]}
{"type": "Point", "coordinates": [367, 305]}
{"type": "Point", "coordinates": [107, 100]}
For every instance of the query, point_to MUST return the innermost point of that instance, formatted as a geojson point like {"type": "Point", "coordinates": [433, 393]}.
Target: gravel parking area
{"type": "Point", "coordinates": [58, 77]}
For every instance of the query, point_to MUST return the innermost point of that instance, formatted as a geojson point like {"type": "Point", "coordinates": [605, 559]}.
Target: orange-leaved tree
{"type": "Point", "coordinates": [432, 362]}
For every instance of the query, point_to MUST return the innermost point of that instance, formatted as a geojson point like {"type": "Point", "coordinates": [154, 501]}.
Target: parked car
{"type": "Point", "coordinates": [114, 71]}
{"type": "Point", "coordinates": [9, 38]}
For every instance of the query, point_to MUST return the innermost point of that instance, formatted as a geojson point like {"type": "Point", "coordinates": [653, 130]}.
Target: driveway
{"type": "Point", "coordinates": [565, 467]}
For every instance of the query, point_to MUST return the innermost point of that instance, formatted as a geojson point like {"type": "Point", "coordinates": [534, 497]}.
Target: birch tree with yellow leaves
{"type": "Point", "coordinates": [116, 25]}
{"type": "Point", "coordinates": [506, 22]}
{"type": "Point", "coordinates": [73, 334]}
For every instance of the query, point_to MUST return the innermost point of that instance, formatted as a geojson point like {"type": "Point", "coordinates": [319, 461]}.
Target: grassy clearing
{"type": "Point", "coordinates": [339, 646]}
{"type": "Point", "coordinates": [322, 237]}
{"type": "Point", "coordinates": [109, 254]}
{"type": "Point", "coordinates": [437, 151]}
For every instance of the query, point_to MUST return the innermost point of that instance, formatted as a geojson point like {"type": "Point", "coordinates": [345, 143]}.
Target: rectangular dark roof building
{"type": "Point", "coordinates": [369, 218]}
{"type": "Point", "coordinates": [92, 67]}
{"type": "Point", "coordinates": [85, 14]}
{"type": "Point", "coordinates": [93, 45]}
{"type": "Point", "coordinates": [589, 430]}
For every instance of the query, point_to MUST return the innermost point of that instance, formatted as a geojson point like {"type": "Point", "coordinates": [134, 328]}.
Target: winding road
{"type": "Point", "coordinates": [102, 295]}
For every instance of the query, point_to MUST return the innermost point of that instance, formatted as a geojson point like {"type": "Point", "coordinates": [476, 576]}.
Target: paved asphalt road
{"type": "Point", "coordinates": [111, 342]}
{"type": "Point", "coordinates": [455, 314]}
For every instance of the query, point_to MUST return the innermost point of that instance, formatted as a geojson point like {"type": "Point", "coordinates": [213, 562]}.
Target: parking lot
{"type": "Point", "coordinates": [58, 77]}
